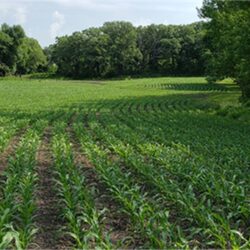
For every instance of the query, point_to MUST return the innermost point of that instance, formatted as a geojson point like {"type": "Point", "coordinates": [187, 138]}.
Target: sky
{"type": "Point", "coordinates": [47, 19]}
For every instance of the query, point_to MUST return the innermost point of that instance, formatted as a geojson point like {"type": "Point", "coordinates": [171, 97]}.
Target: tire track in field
{"type": "Point", "coordinates": [47, 217]}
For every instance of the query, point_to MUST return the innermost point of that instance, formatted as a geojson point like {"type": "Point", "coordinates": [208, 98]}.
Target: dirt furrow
{"type": "Point", "coordinates": [48, 218]}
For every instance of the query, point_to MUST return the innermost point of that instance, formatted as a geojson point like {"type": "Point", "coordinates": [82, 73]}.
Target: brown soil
{"type": "Point", "coordinates": [47, 217]}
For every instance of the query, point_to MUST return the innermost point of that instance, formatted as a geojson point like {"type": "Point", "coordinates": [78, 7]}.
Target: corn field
{"type": "Point", "coordinates": [162, 172]}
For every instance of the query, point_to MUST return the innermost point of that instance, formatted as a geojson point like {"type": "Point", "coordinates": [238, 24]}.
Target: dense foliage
{"type": "Point", "coordinates": [119, 48]}
{"type": "Point", "coordinates": [18, 53]}
{"type": "Point", "coordinates": [228, 40]}
{"type": "Point", "coordinates": [31, 57]}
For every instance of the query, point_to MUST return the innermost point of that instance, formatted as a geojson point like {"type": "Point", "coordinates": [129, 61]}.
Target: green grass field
{"type": "Point", "coordinates": [136, 163]}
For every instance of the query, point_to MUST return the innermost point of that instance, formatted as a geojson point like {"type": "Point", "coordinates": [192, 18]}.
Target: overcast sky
{"type": "Point", "coordinates": [46, 19]}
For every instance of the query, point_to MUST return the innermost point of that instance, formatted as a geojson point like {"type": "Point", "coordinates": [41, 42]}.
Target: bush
{"type": "Point", "coordinates": [4, 69]}
{"type": "Point", "coordinates": [211, 79]}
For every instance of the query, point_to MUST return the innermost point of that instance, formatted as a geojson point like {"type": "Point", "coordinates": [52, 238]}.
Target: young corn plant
{"type": "Point", "coordinates": [17, 224]}
{"type": "Point", "coordinates": [83, 219]}
{"type": "Point", "coordinates": [153, 225]}
{"type": "Point", "coordinates": [165, 158]}
{"type": "Point", "coordinates": [7, 131]}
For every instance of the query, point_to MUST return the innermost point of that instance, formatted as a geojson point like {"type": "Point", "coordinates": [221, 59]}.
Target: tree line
{"type": "Point", "coordinates": [119, 49]}
{"type": "Point", "coordinates": [218, 47]}
{"type": "Point", "coordinates": [115, 49]}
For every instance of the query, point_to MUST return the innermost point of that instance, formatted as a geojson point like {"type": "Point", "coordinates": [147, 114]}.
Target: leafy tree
{"type": "Point", "coordinates": [169, 49]}
{"type": "Point", "coordinates": [10, 39]}
{"type": "Point", "coordinates": [5, 44]}
{"type": "Point", "coordinates": [191, 56]}
{"type": "Point", "coordinates": [172, 49]}
{"type": "Point", "coordinates": [97, 52]}
{"type": "Point", "coordinates": [61, 55]}
{"type": "Point", "coordinates": [96, 61]}
{"type": "Point", "coordinates": [18, 53]}
{"type": "Point", "coordinates": [30, 56]}
{"type": "Point", "coordinates": [228, 38]}
{"type": "Point", "coordinates": [118, 48]}
{"type": "Point", "coordinates": [149, 44]}
{"type": "Point", "coordinates": [122, 47]}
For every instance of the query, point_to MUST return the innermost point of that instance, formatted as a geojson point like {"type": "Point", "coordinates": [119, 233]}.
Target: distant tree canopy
{"type": "Point", "coordinates": [228, 41]}
{"type": "Point", "coordinates": [172, 49]}
{"type": "Point", "coordinates": [119, 48]}
{"type": "Point", "coordinates": [18, 53]}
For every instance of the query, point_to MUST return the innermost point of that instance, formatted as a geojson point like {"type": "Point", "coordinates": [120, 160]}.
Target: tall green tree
{"type": "Point", "coordinates": [172, 49]}
{"type": "Point", "coordinates": [10, 40]}
{"type": "Point", "coordinates": [5, 44]}
{"type": "Point", "coordinates": [122, 48]}
{"type": "Point", "coordinates": [83, 54]}
{"type": "Point", "coordinates": [96, 60]}
{"type": "Point", "coordinates": [169, 49]}
{"type": "Point", "coordinates": [118, 48]}
{"type": "Point", "coordinates": [228, 39]}
{"type": "Point", "coordinates": [60, 54]}
{"type": "Point", "coordinates": [30, 56]}
{"type": "Point", "coordinates": [98, 52]}
{"type": "Point", "coordinates": [191, 60]}
{"type": "Point", "coordinates": [149, 38]}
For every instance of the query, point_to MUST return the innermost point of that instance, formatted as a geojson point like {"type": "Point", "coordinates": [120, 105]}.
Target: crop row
{"type": "Point", "coordinates": [189, 87]}
{"type": "Point", "coordinates": [149, 221]}
{"type": "Point", "coordinates": [18, 202]}
{"type": "Point", "coordinates": [180, 181]}
{"type": "Point", "coordinates": [8, 130]}
{"type": "Point", "coordinates": [84, 221]}
{"type": "Point", "coordinates": [214, 205]}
